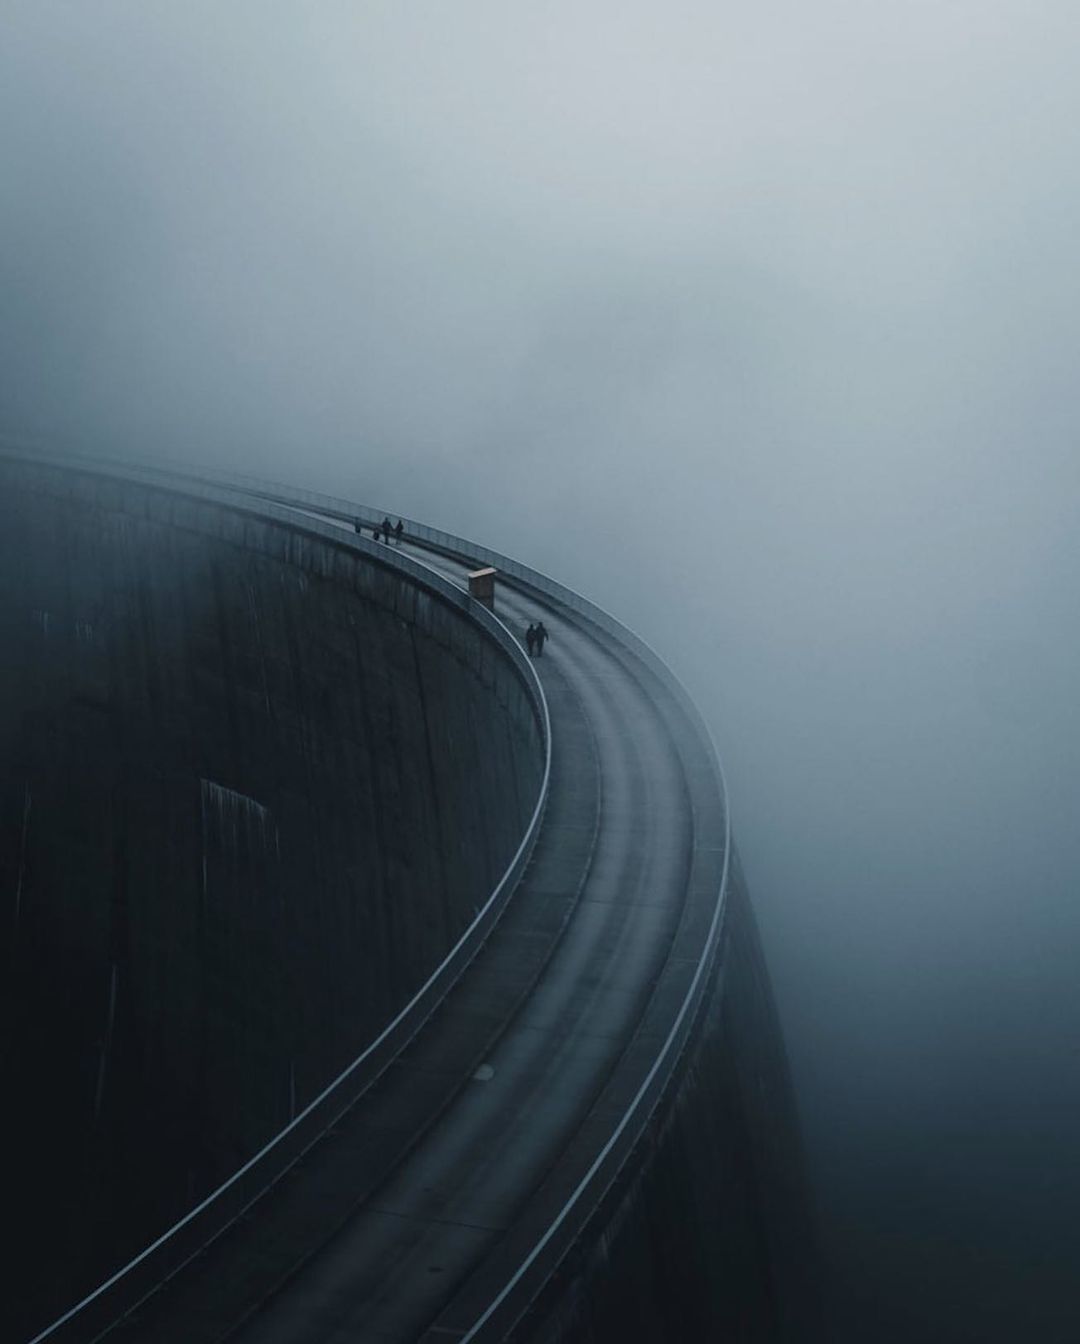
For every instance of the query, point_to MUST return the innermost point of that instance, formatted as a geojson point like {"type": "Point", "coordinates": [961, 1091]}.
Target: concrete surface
{"type": "Point", "coordinates": [250, 798]}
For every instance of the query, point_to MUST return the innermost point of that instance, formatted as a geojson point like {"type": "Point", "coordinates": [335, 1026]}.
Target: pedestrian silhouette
{"type": "Point", "coordinates": [386, 527]}
{"type": "Point", "coordinates": [376, 533]}
{"type": "Point", "coordinates": [530, 639]}
{"type": "Point", "coordinates": [540, 634]}
{"type": "Point", "coordinates": [399, 527]}
{"type": "Point", "coordinates": [356, 527]}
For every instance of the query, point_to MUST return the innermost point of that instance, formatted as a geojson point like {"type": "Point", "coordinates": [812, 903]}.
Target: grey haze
{"type": "Point", "coordinates": [759, 324]}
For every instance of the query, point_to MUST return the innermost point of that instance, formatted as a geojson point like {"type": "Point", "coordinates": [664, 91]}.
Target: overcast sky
{"type": "Point", "coordinates": [759, 324]}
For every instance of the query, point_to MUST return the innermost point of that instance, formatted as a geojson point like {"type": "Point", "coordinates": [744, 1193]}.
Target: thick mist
{"type": "Point", "coordinates": [759, 325]}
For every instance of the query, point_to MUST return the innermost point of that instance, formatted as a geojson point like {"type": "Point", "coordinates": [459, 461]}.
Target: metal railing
{"type": "Point", "coordinates": [522, 1287]}
{"type": "Point", "coordinates": [503, 1312]}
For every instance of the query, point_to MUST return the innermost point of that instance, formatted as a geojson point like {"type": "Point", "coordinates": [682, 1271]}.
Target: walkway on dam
{"type": "Point", "coordinates": [429, 1210]}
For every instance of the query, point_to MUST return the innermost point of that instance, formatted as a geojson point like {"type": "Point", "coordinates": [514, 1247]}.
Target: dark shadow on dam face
{"type": "Point", "coordinates": [253, 787]}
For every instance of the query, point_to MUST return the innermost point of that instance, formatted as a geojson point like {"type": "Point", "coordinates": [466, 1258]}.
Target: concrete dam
{"type": "Point", "coordinates": [367, 979]}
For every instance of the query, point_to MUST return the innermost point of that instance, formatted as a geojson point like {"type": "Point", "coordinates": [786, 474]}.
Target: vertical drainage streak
{"type": "Point", "coordinates": [99, 1092]}
{"type": "Point", "coordinates": [27, 803]}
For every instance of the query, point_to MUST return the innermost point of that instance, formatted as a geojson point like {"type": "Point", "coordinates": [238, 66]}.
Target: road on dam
{"type": "Point", "coordinates": [624, 857]}
{"type": "Point", "coordinates": [428, 1211]}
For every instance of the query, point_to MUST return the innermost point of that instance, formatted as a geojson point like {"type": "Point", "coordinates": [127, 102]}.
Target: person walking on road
{"type": "Point", "coordinates": [399, 528]}
{"type": "Point", "coordinates": [530, 639]}
{"type": "Point", "coordinates": [387, 528]}
{"type": "Point", "coordinates": [540, 634]}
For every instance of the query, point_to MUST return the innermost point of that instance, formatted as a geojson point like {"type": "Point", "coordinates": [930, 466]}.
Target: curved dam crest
{"type": "Point", "coordinates": [254, 787]}
{"type": "Point", "coordinates": [586, 1131]}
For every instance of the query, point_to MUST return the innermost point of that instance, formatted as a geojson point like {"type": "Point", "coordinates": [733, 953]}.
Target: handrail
{"type": "Point", "coordinates": [676, 1037]}
{"type": "Point", "coordinates": [397, 1033]}
{"type": "Point", "coordinates": [609, 1160]}
{"type": "Point", "coordinates": [459, 548]}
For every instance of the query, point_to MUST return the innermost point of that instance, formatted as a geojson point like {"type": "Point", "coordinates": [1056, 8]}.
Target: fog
{"type": "Point", "coordinates": [759, 325]}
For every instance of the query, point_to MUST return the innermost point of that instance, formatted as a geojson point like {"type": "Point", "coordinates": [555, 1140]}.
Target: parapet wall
{"type": "Point", "coordinates": [253, 786]}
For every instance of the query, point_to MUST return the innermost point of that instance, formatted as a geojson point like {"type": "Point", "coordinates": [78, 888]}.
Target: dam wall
{"type": "Point", "coordinates": [253, 786]}
{"type": "Point", "coordinates": [706, 1231]}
